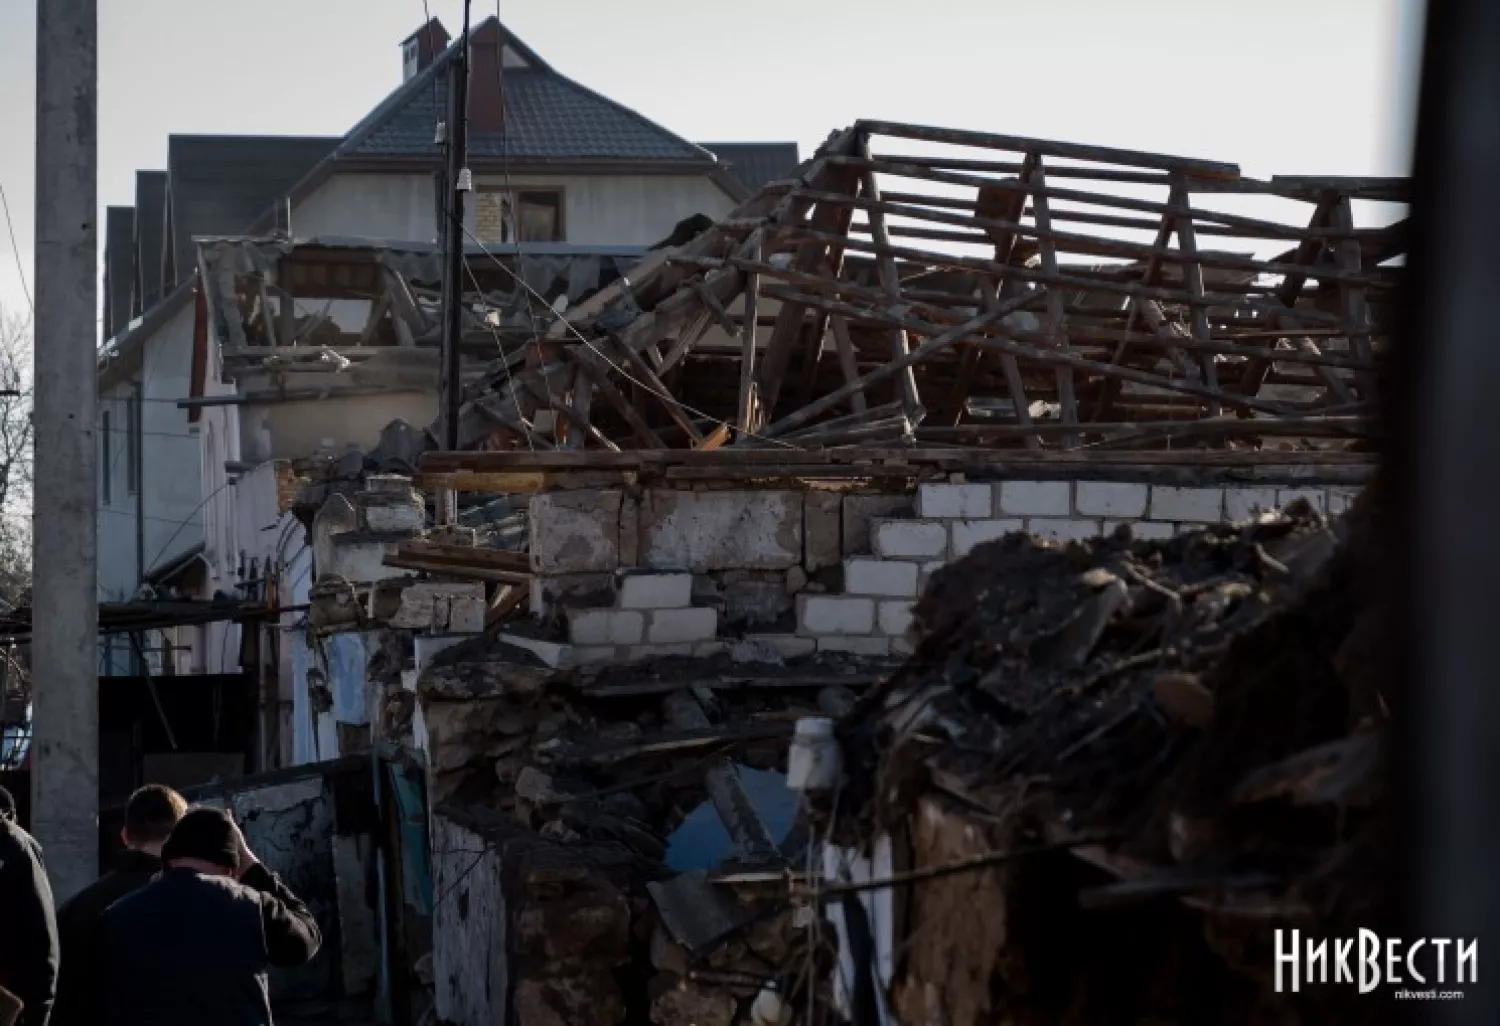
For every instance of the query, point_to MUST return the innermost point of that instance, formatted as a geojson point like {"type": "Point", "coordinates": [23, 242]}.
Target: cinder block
{"type": "Point", "coordinates": [575, 532]}
{"type": "Point", "coordinates": [606, 627]}
{"type": "Point", "coordinates": [1247, 503]}
{"type": "Point", "coordinates": [1179, 504]}
{"type": "Point", "coordinates": [895, 617]}
{"type": "Point", "coordinates": [434, 606]}
{"type": "Point", "coordinates": [855, 645]}
{"type": "Point", "coordinates": [1064, 530]}
{"type": "Point", "coordinates": [911, 539]}
{"type": "Point", "coordinates": [1192, 528]}
{"type": "Point", "coordinates": [1122, 500]}
{"type": "Point", "coordinates": [1316, 497]}
{"type": "Point", "coordinates": [834, 614]}
{"type": "Point", "coordinates": [738, 530]}
{"type": "Point", "coordinates": [1145, 530]}
{"type": "Point", "coordinates": [885, 577]}
{"type": "Point", "coordinates": [861, 511]}
{"type": "Point", "coordinates": [1034, 498]}
{"type": "Point", "coordinates": [972, 501]}
{"type": "Point", "coordinates": [655, 591]}
{"type": "Point", "coordinates": [394, 517]}
{"type": "Point", "coordinates": [969, 533]}
{"type": "Point", "coordinates": [630, 530]}
{"type": "Point", "coordinates": [709, 649]}
{"type": "Point", "coordinates": [822, 529]}
{"type": "Point", "coordinates": [787, 646]}
{"type": "Point", "coordinates": [682, 626]}
{"type": "Point", "coordinates": [595, 655]}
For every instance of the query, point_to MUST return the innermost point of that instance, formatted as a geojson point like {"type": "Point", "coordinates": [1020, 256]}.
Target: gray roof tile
{"type": "Point", "coordinates": [756, 164]}
{"type": "Point", "coordinates": [220, 184]}
{"type": "Point", "coordinates": [549, 117]}
{"type": "Point", "coordinates": [150, 227]}
{"type": "Point", "coordinates": [119, 268]}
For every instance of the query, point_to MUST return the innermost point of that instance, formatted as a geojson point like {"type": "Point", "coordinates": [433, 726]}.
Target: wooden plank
{"type": "Point", "coordinates": [789, 319]}
{"type": "Point", "coordinates": [715, 439]}
{"type": "Point", "coordinates": [407, 316]}
{"type": "Point", "coordinates": [1352, 302]}
{"type": "Point", "coordinates": [476, 573]}
{"type": "Point", "coordinates": [1192, 273]}
{"type": "Point", "coordinates": [469, 555]}
{"type": "Point", "coordinates": [1052, 148]}
{"type": "Point", "coordinates": [1079, 282]}
{"type": "Point", "coordinates": [654, 386]}
{"type": "Point", "coordinates": [597, 372]}
{"type": "Point", "coordinates": [890, 281]}
{"type": "Point", "coordinates": [848, 363]}
{"type": "Point", "coordinates": [378, 307]}
{"type": "Point", "coordinates": [1253, 379]}
{"type": "Point", "coordinates": [746, 419]}
{"type": "Point", "coordinates": [504, 482]}
{"type": "Point", "coordinates": [933, 345]}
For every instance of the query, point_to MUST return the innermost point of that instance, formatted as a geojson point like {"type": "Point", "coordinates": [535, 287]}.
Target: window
{"type": "Point", "coordinates": [527, 215]}
{"type": "Point", "coordinates": [105, 438]}
{"type": "Point", "coordinates": [133, 445]}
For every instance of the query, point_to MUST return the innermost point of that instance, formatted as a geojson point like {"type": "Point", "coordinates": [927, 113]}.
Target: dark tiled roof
{"type": "Point", "coordinates": [220, 184]}
{"type": "Point", "coordinates": [119, 268]}
{"type": "Point", "coordinates": [548, 118]}
{"type": "Point", "coordinates": [150, 228]}
{"type": "Point", "coordinates": [755, 164]}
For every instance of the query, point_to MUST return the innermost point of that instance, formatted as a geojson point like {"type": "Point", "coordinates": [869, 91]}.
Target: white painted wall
{"type": "Point", "coordinates": [606, 210]}
{"type": "Point", "coordinates": [302, 428]}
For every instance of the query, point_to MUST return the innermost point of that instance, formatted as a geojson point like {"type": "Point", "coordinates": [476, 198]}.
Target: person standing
{"type": "Point", "coordinates": [150, 815]}
{"type": "Point", "coordinates": [28, 936]}
{"type": "Point", "coordinates": [193, 946]}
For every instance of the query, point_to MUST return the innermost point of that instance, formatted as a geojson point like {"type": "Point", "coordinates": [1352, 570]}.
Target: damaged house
{"type": "Point", "coordinates": [568, 183]}
{"type": "Point", "coordinates": [921, 556]}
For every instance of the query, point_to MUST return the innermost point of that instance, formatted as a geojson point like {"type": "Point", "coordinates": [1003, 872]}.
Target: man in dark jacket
{"type": "Point", "coordinates": [28, 928]}
{"type": "Point", "coordinates": [150, 815]}
{"type": "Point", "coordinates": [192, 947]}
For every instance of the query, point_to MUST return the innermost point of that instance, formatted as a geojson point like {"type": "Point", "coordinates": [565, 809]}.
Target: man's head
{"type": "Point", "coordinates": [205, 840]}
{"type": "Point", "coordinates": [150, 815]}
{"type": "Point", "coordinates": [7, 805]}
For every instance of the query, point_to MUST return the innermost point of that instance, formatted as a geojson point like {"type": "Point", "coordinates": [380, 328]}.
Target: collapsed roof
{"type": "Point", "coordinates": [1009, 292]}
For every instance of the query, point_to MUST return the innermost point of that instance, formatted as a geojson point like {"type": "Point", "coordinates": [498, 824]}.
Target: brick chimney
{"type": "Point", "coordinates": [486, 51]}
{"type": "Point", "coordinates": [419, 48]}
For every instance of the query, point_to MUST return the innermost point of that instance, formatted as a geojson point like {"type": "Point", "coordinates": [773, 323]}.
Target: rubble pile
{"type": "Point", "coordinates": [1143, 757]}
{"type": "Point", "coordinates": [648, 798]}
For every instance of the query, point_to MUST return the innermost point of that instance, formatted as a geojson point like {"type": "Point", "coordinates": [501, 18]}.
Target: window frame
{"type": "Point", "coordinates": [518, 194]}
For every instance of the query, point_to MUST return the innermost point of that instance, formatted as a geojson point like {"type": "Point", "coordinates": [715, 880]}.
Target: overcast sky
{"type": "Point", "coordinates": [1278, 86]}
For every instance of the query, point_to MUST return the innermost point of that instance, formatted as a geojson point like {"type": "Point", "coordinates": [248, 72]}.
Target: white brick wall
{"type": "Point", "coordinates": [1317, 497]}
{"type": "Point", "coordinates": [969, 533]}
{"type": "Point", "coordinates": [1034, 498]}
{"type": "Point", "coordinates": [680, 626]}
{"type": "Point", "coordinates": [955, 500]}
{"type": "Point", "coordinates": [1146, 530]}
{"type": "Point", "coordinates": [1059, 529]}
{"type": "Point", "coordinates": [883, 577]}
{"type": "Point", "coordinates": [834, 614]}
{"type": "Point", "coordinates": [1247, 503]}
{"type": "Point", "coordinates": [1178, 504]}
{"type": "Point", "coordinates": [855, 645]}
{"type": "Point", "coordinates": [895, 617]}
{"type": "Point", "coordinates": [910, 539]}
{"type": "Point", "coordinates": [605, 627]}
{"type": "Point", "coordinates": [656, 591]}
{"type": "Point", "coordinates": [1122, 500]}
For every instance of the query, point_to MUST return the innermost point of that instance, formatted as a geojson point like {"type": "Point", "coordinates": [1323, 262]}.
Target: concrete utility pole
{"type": "Point", "coordinates": [65, 611]}
{"type": "Point", "coordinates": [458, 182]}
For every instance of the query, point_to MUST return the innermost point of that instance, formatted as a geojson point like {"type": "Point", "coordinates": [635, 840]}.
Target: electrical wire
{"type": "Point", "coordinates": [10, 229]}
{"type": "Point", "coordinates": [665, 397]}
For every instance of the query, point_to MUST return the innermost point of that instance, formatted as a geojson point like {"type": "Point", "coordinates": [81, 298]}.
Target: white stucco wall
{"type": "Point", "coordinates": [290, 430]}
{"type": "Point", "coordinates": [606, 210]}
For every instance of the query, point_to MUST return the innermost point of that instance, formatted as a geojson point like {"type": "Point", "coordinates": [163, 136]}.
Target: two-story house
{"type": "Point", "coordinates": [556, 168]}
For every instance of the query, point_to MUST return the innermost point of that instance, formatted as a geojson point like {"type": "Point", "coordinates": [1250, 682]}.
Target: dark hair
{"type": "Point", "coordinates": [7, 805]}
{"type": "Point", "coordinates": [152, 812]}
{"type": "Point", "coordinates": [208, 835]}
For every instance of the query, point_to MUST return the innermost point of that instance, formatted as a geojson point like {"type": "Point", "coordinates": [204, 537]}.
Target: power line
{"type": "Point", "coordinates": [10, 229]}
